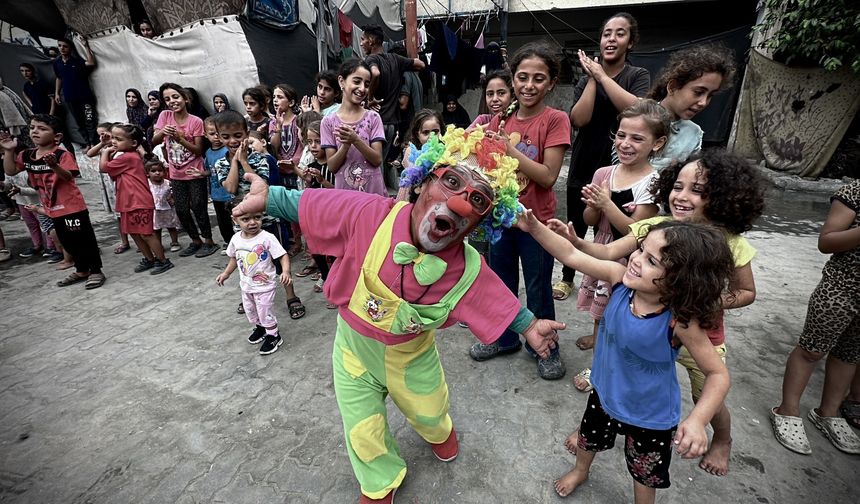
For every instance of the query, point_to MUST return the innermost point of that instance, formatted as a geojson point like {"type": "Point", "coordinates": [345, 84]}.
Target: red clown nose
{"type": "Point", "coordinates": [460, 206]}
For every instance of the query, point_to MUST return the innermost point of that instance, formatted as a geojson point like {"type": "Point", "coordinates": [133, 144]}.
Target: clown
{"type": "Point", "coordinates": [402, 271]}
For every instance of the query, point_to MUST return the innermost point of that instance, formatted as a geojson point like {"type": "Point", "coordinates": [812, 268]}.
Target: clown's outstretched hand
{"type": "Point", "coordinates": [255, 200]}
{"type": "Point", "coordinates": [542, 335]}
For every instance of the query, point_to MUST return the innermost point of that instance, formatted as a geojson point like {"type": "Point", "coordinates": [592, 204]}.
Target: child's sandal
{"type": "Point", "coordinates": [297, 309]}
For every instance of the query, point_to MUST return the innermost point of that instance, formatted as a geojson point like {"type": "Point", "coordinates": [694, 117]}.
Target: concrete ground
{"type": "Point", "coordinates": [145, 391]}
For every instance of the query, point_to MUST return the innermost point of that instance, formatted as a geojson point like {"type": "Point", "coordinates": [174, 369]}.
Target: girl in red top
{"type": "Point", "coordinates": [537, 136]}
{"type": "Point", "coordinates": [133, 198]}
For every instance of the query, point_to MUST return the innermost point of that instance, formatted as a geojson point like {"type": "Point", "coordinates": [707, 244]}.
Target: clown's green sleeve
{"type": "Point", "coordinates": [283, 203]}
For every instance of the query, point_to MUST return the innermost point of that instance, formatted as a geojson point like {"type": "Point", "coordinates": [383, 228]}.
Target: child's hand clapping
{"type": "Point", "coordinates": [346, 135]}
{"type": "Point", "coordinates": [597, 196]}
{"type": "Point", "coordinates": [242, 151]}
{"type": "Point", "coordinates": [50, 159]}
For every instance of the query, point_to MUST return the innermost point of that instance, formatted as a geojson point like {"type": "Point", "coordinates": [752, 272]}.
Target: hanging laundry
{"type": "Point", "coordinates": [345, 25]}
{"type": "Point", "coordinates": [480, 43]}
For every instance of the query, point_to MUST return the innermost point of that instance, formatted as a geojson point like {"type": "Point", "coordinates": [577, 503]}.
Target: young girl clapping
{"type": "Point", "coordinates": [133, 197]}
{"type": "Point", "coordinates": [619, 195]}
{"type": "Point", "coordinates": [669, 293]}
{"type": "Point", "coordinates": [353, 136]}
{"type": "Point", "coordinates": [610, 85]}
{"type": "Point", "coordinates": [182, 135]}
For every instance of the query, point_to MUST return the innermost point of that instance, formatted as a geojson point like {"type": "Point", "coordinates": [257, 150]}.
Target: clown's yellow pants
{"type": "Point", "coordinates": [365, 372]}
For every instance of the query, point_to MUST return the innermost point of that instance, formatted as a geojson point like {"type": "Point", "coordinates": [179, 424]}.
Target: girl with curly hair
{"type": "Point", "coordinates": [684, 88]}
{"type": "Point", "coordinates": [723, 190]}
{"type": "Point", "coordinates": [668, 295]}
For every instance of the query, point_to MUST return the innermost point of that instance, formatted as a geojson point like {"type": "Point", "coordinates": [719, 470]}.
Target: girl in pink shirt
{"type": "Point", "coordinates": [182, 135]}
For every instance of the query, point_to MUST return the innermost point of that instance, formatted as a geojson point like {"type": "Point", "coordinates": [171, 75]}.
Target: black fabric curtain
{"type": "Point", "coordinates": [283, 56]}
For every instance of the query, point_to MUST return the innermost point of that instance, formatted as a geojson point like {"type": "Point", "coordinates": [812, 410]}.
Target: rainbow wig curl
{"type": "Point", "coordinates": [480, 154]}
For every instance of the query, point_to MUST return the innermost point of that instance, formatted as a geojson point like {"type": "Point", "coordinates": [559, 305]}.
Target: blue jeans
{"type": "Point", "coordinates": [514, 247]}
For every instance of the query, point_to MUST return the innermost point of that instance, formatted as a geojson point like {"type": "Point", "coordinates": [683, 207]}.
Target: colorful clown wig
{"type": "Point", "coordinates": [480, 154]}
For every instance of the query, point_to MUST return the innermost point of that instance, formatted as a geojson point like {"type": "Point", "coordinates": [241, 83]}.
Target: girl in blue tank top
{"type": "Point", "coordinates": [665, 297]}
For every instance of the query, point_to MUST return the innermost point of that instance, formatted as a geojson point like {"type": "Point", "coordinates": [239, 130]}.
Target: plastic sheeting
{"type": "Point", "coordinates": [794, 117]}
{"type": "Point", "coordinates": [385, 13]}
{"type": "Point", "coordinates": [212, 58]}
{"type": "Point", "coordinates": [281, 14]}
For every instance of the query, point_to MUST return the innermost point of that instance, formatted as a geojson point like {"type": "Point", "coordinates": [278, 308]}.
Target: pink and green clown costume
{"type": "Point", "coordinates": [384, 344]}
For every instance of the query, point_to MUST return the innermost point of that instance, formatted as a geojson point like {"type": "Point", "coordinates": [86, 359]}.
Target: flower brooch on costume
{"type": "Point", "coordinates": [480, 154]}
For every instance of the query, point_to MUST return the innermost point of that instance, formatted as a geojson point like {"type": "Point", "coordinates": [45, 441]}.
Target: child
{"type": "Point", "coordinates": [182, 135]}
{"type": "Point", "coordinates": [254, 251]}
{"type": "Point", "coordinates": [52, 172]}
{"type": "Point", "coordinates": [685, 88]}
{"type": "Point", "coordinates": [220, 197]}
{"type": "Point", "coordinates": [241, 159]}
{"type": "Point", "coordinates": [721, 189]}
{"type": "Point", "coordinates": [302, 121]}
{"type": "Point", "coordinates": [832, 328]}
{"type": "Point", "coordinates": [133, 197]}
{"type": "Point", "coordinates": [608, 87]}
{"type": "Point", "coordinates": [284, 133]}
{"type": "Point", "coordinates": [103, 131]}
{"type": "Point", "coordinates": [255, 109]}
{"type": "Point", "coordinates": [317, 175]}
{"type": "Point", "coordinates": [427, 122]}
{"type": "Point", "coordinates": [327, 98]}
{"type": "Point", "coordinates": [619, 195]}
{"type": "Point", "coordinates": [220, 103]}
{"type": "Point", "coordinates": [18, 187]}
{"type": "Point", "coordinates": [498, 96]}
{"type": "Point", "coordinates": [537, 137]}
{"type": "Point", "coordinates": [353, 136]}
{"type": "Point", "coordinates": [164, 215]}
{"type": "Point", "coordinates": [671, 287]}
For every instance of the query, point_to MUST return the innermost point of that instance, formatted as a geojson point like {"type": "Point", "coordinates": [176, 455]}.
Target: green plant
{"type": "Point", "coordinates": [823, 32]}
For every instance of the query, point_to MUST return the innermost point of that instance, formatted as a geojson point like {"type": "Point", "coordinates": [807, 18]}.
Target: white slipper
{"type": "Point", "coordinates": [789, 431]}
{"type": "Point", "coordinates": [837, 430]}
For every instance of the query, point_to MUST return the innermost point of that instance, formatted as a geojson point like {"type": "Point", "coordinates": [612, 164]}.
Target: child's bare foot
{"type": "Point", "coordinates": [716, 459]}
{"type": "Point", "coordinates": [569, 481]}
{"type": "Point", "coordinates": [571, 442]}
{"type": "Point", "coordinates": [64, 265]}
{"type": "Point", "coordinates": [585, 342]}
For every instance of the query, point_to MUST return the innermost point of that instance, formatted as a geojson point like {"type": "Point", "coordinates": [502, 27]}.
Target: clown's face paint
{"type": "Point", "coordinates": [435, 225]}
